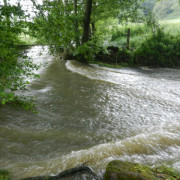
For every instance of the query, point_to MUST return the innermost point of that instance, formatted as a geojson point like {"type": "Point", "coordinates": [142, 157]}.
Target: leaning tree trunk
{"type": "Point", "coordinates": [87, 18]}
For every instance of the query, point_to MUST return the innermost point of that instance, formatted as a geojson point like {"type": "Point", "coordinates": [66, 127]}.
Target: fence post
{"type": "Point", "coordinates": [128, 38]}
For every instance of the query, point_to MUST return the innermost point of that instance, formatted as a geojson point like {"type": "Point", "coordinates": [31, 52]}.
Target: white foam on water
{"type": "Point", "coordinates": [157, 147]}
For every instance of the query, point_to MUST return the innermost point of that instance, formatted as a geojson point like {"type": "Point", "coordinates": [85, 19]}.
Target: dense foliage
{"type": "Point", "coordinates": [12, 70]}
{"type": "Point", "coordinates": [61, 23]}
{"type": "Point", "coordinates": [160, 49]}
{"type": "Point", "coordinates": [4, 175]}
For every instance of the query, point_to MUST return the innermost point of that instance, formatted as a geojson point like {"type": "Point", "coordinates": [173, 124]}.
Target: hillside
{"type": "Point", "coordinates": [166, 9]}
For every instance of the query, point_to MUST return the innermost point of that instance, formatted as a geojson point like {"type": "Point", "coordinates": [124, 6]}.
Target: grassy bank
{"type": "Point", "coordinates": [171, 26]}
{"type": "Point", "coordinates": [140, 32]}
{"type": "Point", "coordinates": [27, 40]}
{"type": "Point", "coordinates": [148, 47]}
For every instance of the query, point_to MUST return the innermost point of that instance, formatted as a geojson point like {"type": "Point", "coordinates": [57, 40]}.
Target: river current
{"type": "Point", "coordinates": [91, 115]}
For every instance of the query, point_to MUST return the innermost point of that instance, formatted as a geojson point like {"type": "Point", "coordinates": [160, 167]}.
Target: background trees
{"type": "Point", "coordinates": [72, 24]}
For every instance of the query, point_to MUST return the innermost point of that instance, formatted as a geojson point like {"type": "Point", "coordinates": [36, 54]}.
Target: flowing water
{"type": "Point", "coordinates": [92, 115]}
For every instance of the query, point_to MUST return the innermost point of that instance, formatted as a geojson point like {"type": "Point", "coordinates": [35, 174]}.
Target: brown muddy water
{"type": "Point", "coordinates": [92, 115]}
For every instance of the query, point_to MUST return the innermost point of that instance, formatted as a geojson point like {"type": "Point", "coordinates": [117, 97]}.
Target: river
{"type": "Point", "coordinates": [92, 115]}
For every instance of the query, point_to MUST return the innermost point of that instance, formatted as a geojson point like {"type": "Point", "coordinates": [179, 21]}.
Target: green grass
{"type": "Point", "coordinates": [147, 47]}
{"type": "Point", "coordinates": [171, 26]}
{"type": "Point", "coordinates": [139, 32]}
{"type": "Point", "coordinates": [134, 41]}
{"type": "Point", "coordinates": [27, 40]}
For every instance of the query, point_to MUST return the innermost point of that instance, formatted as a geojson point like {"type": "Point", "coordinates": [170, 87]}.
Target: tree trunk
{"type": "Point", "coordinates": [93, 28]}
{"type": "Point", "coordinates": [66, 49]}
{"type": "Point", "coordinates": [5, 2]}
{"type": "Point", "coordinates": [128, 38]}
{"type": "Point", "coordinates": [76, 24]}
{"type": "Point", "coordinates": [87, 18]}
{"type": "Point", "coordinates": [7, 13]}
{"type": "Point", "coordinates": [65, 7]}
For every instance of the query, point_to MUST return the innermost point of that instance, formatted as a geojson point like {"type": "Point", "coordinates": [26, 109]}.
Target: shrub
{"type": "Point", "coordinates": [4, 175]}
{"type": "Point", "coordinates": [160, 49]}
{"type": "Point", "coordinates": [87, 51]}
{"type": "Point", "coordinates": [15, 66]}
{"type": "Point", "coordinates": [124, 55]}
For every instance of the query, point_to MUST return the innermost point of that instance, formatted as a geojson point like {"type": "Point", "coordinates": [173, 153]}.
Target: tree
{"type": "Point", "coordinates": [71, 24]}
{"type": "Point", "coordinates": [12, 71]}
{"type": "Point", "coordinates": [76, 23]}
{"type": "Point", "coordinates": [87, 19]}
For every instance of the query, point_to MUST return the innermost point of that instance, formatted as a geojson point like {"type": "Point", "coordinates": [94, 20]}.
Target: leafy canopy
{"type": "Point", "coordinates": [59, 23]}
{"type": "Point", "coordinates": [12, 70]}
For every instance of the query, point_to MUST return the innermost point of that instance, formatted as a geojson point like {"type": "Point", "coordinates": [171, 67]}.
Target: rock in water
{"type": "Point", "coordinates": [78, 173]}
{"type": "Point", "coordinates": [81, 172]}
{"type": "Point", "coordinates": [120, 170]}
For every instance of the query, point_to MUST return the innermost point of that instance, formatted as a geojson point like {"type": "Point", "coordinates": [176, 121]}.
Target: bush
{"type": "Point", "coordinates": [161, 49]}
{"type": "Point", "coordinates": [87, 51]}
{"type": "Point", "coordinates": [124, 56]}
{"type": "Point", "coordinates": [15, 66]}
{"type": "Point", "coordinates": [4, 175]}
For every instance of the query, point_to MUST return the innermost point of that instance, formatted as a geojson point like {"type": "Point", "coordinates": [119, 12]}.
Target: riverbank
{"type": "Point", "coordinates": [115, 170]}
{"type": "Point", "coordinates": [159, 51]}
{"type": "Point", "coordinates": [124, 65]}
{"type": "Point", "coordinates": [148, 55]}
